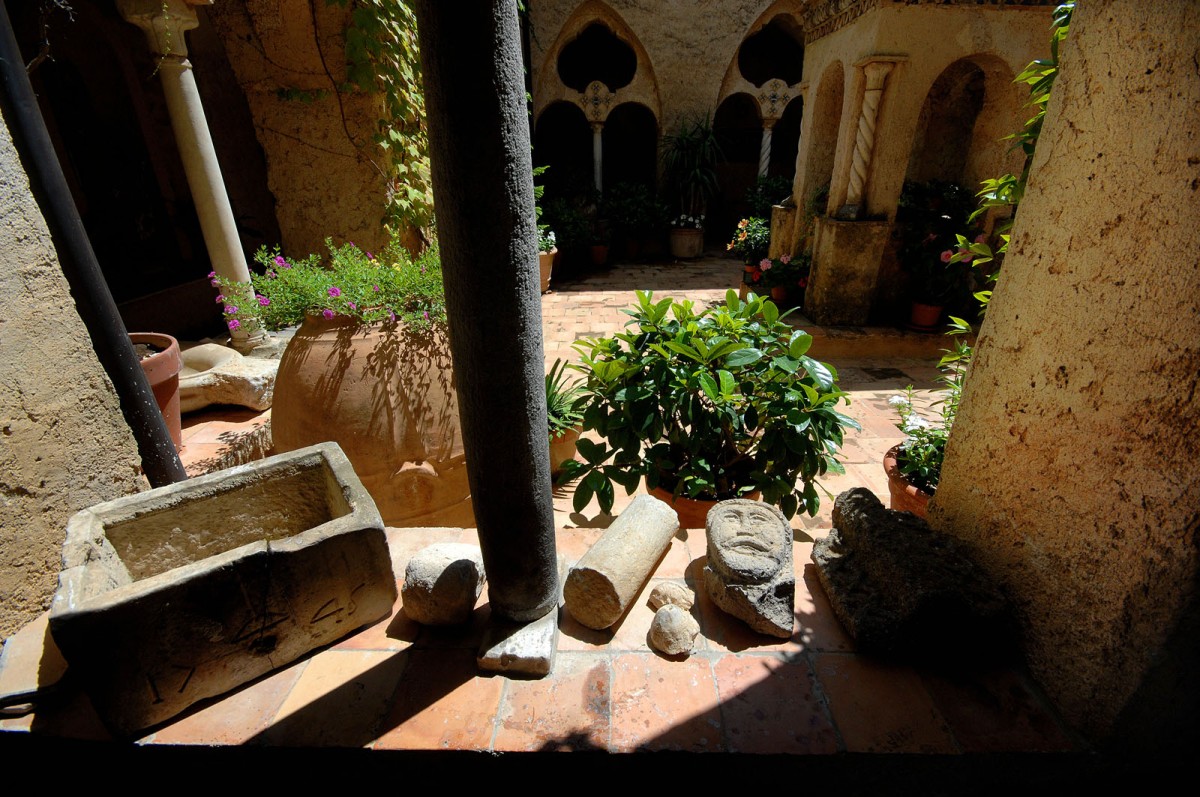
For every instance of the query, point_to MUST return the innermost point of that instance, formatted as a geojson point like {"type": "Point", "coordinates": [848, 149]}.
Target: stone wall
{"type": "Point", "coordinates": [326, 173]}
{"type": "Point", "coordinates": [1072, 469]}
{"type": "Point", "coordinates": [65, 445]}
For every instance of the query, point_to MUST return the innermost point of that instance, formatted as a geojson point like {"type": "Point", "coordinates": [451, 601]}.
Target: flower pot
{"type": "Point", "coordinates": [692, 512]}
{"type": "Point", "coordinates": [162, 371]}
{"type": "Point", "coordinates": [599, 254]}
{"type": "Point", "coordinates": [779, 294]}
{"type": "Point", "coordinates": [924, 317]}
{"type": "Point", "coordinates": [905, 496]}
{"type": "Point", "coordinates": [686, 242]}
{"type": "Point", "coordinates": [384, 393]}
{"type": "Point", "coordinates": [562, 448]}
{"type": "Point", "coordinates": [545, 266]}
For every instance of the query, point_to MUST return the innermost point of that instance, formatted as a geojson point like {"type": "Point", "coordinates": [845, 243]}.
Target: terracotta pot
{"type": "Point", "coordinates": [924, 316]}
{"type": "Point", "coordinates": [686, 243]}
{"type": "Point", "coordinates": [385, 394]}
{"type": "Point", "coordinates": [693, 512]}
{"type": "Point", "coordinates": [545, 266]}
{"type": "Point", "coordinates": [599, 254]}
{"type": "Point", "coordinates": [779, 294]}
{"type": "Point", "coordinates": [562, 448]}
{"type": "Point", "coordinates": [162, 371]}
{"type": "Point", "coordinates": [905, 497]}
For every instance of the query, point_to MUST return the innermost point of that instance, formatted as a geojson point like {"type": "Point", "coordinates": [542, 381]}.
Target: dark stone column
{"type": "Point", "coordinates": [483, 190]}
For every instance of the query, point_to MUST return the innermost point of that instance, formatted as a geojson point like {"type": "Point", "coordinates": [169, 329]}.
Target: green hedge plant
{"type": "Point", "coordinates": [709, 404]}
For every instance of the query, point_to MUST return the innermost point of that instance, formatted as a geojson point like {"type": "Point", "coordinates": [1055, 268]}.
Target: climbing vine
{"type": "Point", "coordinates": [382, 56]}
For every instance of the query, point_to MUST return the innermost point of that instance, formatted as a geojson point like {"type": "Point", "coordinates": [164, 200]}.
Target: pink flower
{"type": "Point", "coordinates": [764, 264]}
{"type": "Point", "coordinates": [230, 309]}
{"type": "Point", "coordinates": [426, 314]}
{"type": "Point", "coordinates": [220, 297]}
{"type": "Point", "coordinates": [263, 300]}
{"type": "Point", "coordinates": [391, 316]}
{"type": "Point", "coordinates": [233, 324]}
{"type": "Point", "coordinates": [215, 283]}
{"type": "Point", "coordinates": [370, 256]}
{"type": "Point", "coordinates": [212, 275]}
{"type": "Point", "coordinates": [352, 305]}
{"type": "Point", "coordinates": [377, 289]}
{"type": "Point", "coordinates": [803, 283]}
{"type": "Point", "coordinates": [279, 261]}
{"type": "Point", "coordinates": [335, 291]}
{"type": "Point", "coordinates": [946, 256]}
{"type": "Point", "coordinates": [785, 259]}
{"type": "Point", "coordinates": [981, 239]}
{"type": "Point", "coordinates": [327, 313]}
{"type": "Point", "coordinates": [271, 275]}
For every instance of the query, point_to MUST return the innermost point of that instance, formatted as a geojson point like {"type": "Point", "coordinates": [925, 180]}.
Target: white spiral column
{"type": "Point", "coordinates": [876, 73]}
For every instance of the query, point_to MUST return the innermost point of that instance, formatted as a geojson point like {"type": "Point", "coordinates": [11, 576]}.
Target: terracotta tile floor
{"type": "Point", "coordinates": [397, 685]}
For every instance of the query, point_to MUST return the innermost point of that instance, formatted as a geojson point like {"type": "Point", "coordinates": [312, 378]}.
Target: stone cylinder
{"type": "Point", "coordinates": [609, 576]}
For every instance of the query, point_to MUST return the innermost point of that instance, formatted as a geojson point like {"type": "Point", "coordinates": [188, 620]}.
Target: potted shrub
{"type": "Point", "coordinates": [636, 215]}
{"type": "Point", "coordinates": [563, 419]}
{"type": "Point", "coordinates": [928, 220]}
{"type": "Point", "coordinates": [720, 403]}
{"type": "Point", "coordinates": [689, 162]}
{"type": "Point", "coordinates": [370, 369]}
{"type": "Point", "coordinates": [546, 252]}
{"type": "Point", "coordinates": [914, 466]}
{"type": "Point", "coordinates": [751, 242]}
{"type": "Point", "coordinates": [786, 276]}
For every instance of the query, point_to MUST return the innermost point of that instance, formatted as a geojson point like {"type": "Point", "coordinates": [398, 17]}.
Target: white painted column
{"type": "Point", "coordinates": [165, 23]}
{"type": "Point", "coordinates": [876, 73]}
{"type": "Point", "coordinates": [764, 151]}
{"type": "Point", "coordinates": [598, 155]}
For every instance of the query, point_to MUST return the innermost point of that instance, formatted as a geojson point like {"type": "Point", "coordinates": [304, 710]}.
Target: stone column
{"type": "Point", "coordinates": [875, 73]}
{"type": "Point", "coordinates": [483, 187]}
{"type": "Point", "coordinates": [165, 22]}
{"type": "Point", "coordinates": [598, 155]}
{"type": "Point", "coordinates": [764, 151]}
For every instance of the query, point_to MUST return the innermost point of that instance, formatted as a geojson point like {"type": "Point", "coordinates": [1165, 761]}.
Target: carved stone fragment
{"type": "Point", "coordinates": [903, 589]}
{"type": "Point", "coordinates": [610, 575]}
{"type": "Point", "coordinates": [442, 582]}
{"type": "Point", "coordinates": [673, 630]}
{"type": "Point", "coordinates": [749, 571]}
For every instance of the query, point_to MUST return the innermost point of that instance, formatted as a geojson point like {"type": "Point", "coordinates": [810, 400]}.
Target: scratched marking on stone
{"type": "Point", "coordinates": [256, 625]}
{"type": "Point", "coordinates": [190, 672]}
{"type": "Point", "coordinates": [323, 614]}
{"type": "Point", "coordinates": [153, 689]}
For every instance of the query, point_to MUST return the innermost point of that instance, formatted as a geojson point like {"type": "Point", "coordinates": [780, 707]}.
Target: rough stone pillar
{"type": "Point", "coordinates": [598, 155]}
{"type": "Point", "coordinates": [165, 22]}
{"type": "Point", "coordinates": [764, 151]}
{"type": "Point", "coordinates": [483, 188]}
{"type": "Point", "coordinates": [875, 73]}
{"type": "Point", "coordinates": [1072, 468]}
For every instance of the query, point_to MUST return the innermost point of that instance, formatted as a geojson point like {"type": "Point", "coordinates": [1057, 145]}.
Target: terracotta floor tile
{"type": "Point", "coordinates": [768, 706]}
{"type": "Point", "coordinates": [575, 636]}
{"type": "Point", "coordinates": [442, 703]}
{"type": "Point", "coordinates": [995, 712]}
{"type": "Point", "coordinates": [236, 717]}
{"type": "Point", "coordinates": [338, 700]}
{"type": "Point", "coordinates": [395, 632]}
{"type": "Point", "coordinates": [664, 705]}
{"type": "Point", "coordinates": [880, 708]}
{"type": "Point", "coordinates": [569, 711]}
{"type": "Point", "coordinates": [819, 628]}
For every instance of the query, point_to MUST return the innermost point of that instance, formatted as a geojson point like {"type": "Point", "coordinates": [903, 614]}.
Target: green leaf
{"type": "Point", "coordinates": [743, 357]}
{"type": "Point", "coordinates": [770, 313]}
{"type": "Point", "coordinates": [709, 386]}
{"type": "Point", "coordinates": [789, 364]}
{"type": "Point", "coordinates": [593, 452]}
{"type": "Point", "coordinates": [799, 344]}
{"type": "Point", "coordinates": [818, 371]}
{"type": "Point", "coordinates": [788, 505]}
{"type": "Point", "coordinates": [583, 496]}
{"type": "Point", "coordinates": [727, 382]}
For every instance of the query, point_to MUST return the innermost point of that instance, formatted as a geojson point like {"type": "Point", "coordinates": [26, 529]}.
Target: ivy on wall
{"type": "Point", "coordinates": [382, 56]}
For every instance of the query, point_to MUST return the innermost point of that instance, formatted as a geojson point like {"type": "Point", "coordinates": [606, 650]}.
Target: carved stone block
{"type": "Point", "coordinates": [749, 571]}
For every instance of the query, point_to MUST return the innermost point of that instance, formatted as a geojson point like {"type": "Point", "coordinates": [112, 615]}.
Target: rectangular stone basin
{"type": "Point", "coordinates": [184, 592]}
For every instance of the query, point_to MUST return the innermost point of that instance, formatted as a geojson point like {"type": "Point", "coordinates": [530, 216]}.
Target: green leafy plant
{"type": "Point", "coordinates": [766, 193]}
{"type": "Point", "coordinates": [392, 286]}
{"type": "Point", "coordinates": [751, 240]}
{"type": "Point", "coordinates": [562, 395]}
{"type": "Point", "coordinates": [710, 404]}
{"type": "Point", "coordinates": [928, 219]}
{"type": "Point", "coordinates": [633, 210]}
{"type": "Point", "coordinates": [689, 161]}
{"type": "Point", "coordinates": [786, 271]}
{"type": "Point", "coordinates": [921, 454]}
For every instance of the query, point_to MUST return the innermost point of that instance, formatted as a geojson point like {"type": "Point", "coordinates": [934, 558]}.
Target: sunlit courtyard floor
{"type": "Point", "coordinates": [397, 685]}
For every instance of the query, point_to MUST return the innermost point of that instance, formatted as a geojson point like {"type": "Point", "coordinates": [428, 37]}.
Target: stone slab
{"type": "Point", "coordinates": [522, 648]}
{"type": "Point", "coordinates": [184, 592]}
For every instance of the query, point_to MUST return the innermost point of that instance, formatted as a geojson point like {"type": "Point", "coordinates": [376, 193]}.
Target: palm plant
{"type": "Point", "coordinates": [689, 160]}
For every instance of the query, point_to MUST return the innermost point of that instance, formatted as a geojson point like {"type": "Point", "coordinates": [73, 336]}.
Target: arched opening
{"type": "Point", "coordinates": [943, 138]}
{"type": "Point", "coordinates": [563, 141]}
{"type": "Point", "coordinates": [785, 140]}
{"type": "Point", "coordinates": [827, 117]}
{"type": "Point", "coordinates": [630, 139]}
{"type": "Point", "coordinates": [597, 54]}
{"type": "Point", "coordinates": [776, 51]}
{"type": "Point", "coordinates": [738, 128]}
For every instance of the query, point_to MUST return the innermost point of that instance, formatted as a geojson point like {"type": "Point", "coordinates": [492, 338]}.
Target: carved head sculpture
{"type": "Point", "coordinates": [748, 541]}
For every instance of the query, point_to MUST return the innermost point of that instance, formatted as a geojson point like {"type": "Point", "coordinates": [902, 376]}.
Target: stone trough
{"type": "Point", "coordinates": [181, 593]}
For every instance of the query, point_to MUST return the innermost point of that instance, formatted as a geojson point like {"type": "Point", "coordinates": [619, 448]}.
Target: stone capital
{"type": "Point", "coordinates": [164, 22]}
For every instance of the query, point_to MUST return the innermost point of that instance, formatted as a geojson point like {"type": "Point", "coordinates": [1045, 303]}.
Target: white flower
{"type": "Point", "coordinates": [899, 403]}
{"type": "Point", "coordinates": [914, 423]}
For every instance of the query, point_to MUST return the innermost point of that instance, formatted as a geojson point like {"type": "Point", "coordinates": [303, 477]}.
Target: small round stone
{"type": "Point", "coordinates": [671, 593]}
{"type": "Point", "coordinates": [673, 631]}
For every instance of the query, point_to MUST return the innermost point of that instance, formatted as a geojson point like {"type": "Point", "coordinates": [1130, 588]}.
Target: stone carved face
{"type": "Point", "coordinates": [748, 541]}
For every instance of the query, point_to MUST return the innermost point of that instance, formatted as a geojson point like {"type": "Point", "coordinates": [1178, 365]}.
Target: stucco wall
{"type": "Point", "coordinates": [63, 442]}
{"type": "Point", "coordinates": [322, 165]}
{"type": "Point", "coordinates": [1072, 469]}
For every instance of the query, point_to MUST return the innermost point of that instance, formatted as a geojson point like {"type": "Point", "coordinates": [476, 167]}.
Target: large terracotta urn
{"type": "Point", "coordinates": [687, 243]}
{"type": "Point", "coordinates": [385, 394]}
